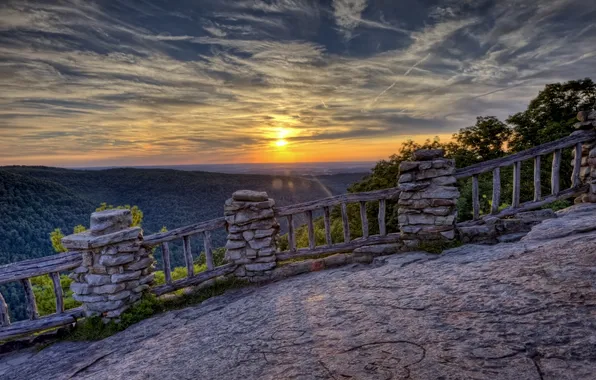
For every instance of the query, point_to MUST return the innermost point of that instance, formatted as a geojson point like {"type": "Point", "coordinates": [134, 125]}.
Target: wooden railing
{"type": "Point", "coordinates": [202, 230]}
{"type": "Point", "coordinates": [22, 272]}
{"type": "Point", "coordinates": [325, 205]}
{"type": "Point", "coordinates": [555, 147]}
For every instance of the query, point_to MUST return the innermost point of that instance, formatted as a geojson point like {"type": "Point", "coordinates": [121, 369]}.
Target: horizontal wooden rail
{"type": "Point", "coordinates": [43, 323]}
{"type": "Point", "coordinates": [336, 200]}
{"type": "Point", "coordinates": [37, 267]}
{"type": "Point", "coordinates": [539, 150]}
{"type": "Point", "coordinates": [340, 247]}
{"type": "Point", "coordinates": [193, 229]}
{"type": "Point", "coordinates": [194, 280]}
{"type": "Point", "coordinates": [531, 205]}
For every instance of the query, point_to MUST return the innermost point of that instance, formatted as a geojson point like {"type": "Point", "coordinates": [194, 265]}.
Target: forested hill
{"type": "Point", "coordinates": [30, 208]}
{"type": "Point", "coordinates": [35, 200]}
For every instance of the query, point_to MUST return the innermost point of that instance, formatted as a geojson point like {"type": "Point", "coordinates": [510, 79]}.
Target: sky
{"type": "Point", "coordinates": [146, 82]}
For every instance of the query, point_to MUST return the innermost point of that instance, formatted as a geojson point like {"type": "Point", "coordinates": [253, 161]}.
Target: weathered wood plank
{"type": "Point", "coordinates": [496, 200]}
{"type": "Point", "coordinates": [543, 149]}
{"type": "Point", "coordinates": [382, 226]}
{"type": "Point", "coordinates": [528, 206]}
{"type": "Point", "coordinates": [208, 244]}
{"type": "Point", "coordinates": [345, 222]}
{"type": "Point", "coordinates": [167, 266]}
{"type": "Point", "coordinates": [311, 230]}
{"type": "Point", "coordinates": [334, 201]}
{"type": "Point", "coordinates": [554, 179]}
{"type": "Point", "coordinates": [177, 233]}
{"type": "Point", "coordinates": [340, 247]}
{"type": "Point", "coordinates": [188, 257]}
{"type": "Point", "coordinates": [38, 267]}
{"type": "Point", "coordinates": [30, 299]}
{"type": "Point", "coordinates": [43, 323]}
{"type": "Point", "coordinates": [327, 220]}
{"type": "Point", "coordinates": [363, 219]}
{"type": "Point", "coordinates": [577, 163]}
{"type": "Point", "coordinates": [4, 315]}
{"type": "Point", "coordinates": [516, 184]}
{"type": "Point", "coordinates": [475, 198]}
{"type": "Point", "coordinates": [58, 292]}
{"type": "Point", "coordinates": [196, 280]}
{"type": "Point", "coordinates": [291, 233]}
{"type": "Point", "coordinates": [537, 184]}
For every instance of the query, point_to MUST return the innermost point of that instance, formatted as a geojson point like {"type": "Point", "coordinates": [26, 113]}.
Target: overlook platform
{"type": "Point", "coordinates": [523, 310]}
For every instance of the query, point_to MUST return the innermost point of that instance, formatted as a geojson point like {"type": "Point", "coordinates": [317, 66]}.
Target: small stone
{"type": "Point", "coordinates": [448, 234]}
{"type": "Point", "coordinates": [147, 279]}
{"type": "Point", "coordinates": [117, 312]}
{"type": "Point", "coordinates": [140, 288]}
{"type": "Point", "coordinates": [265, 233]}
{"type": "Point", "coordinates": [97, 279]}
{"type": "Point", "coordinates": [141, 264]}
{"type": "Point", "coordinates": [89, 298]}
{"type": "Point", "coordinates": [251, 253]}
{"type": "Point", "coordinates": [114, 260]}
{"type": "Point", "coordinates": [408, 177]}
{"type": "Point", "coordinates": [266, 252]}
{"type": "Point", "coordinates": [250, 196]}
{"type": "Point", "coordinates": [427, 154]}
{"type": "Point", "coordinates": [108, 289]}
{"type": "Point", "coordinates": [105, 305]}
{"type": "Point", "coordinates": [127, 276]}
{"type": "Point", "coordinates": [248, 235]}
{"type": "Point", "coordinates": [406, 166]}
{"type": "Point", "coordinates": [81, 288]}
{"type": "Point", "coordinates": [439, 211]}
{"type": "Point", "coordinates": [108, 221]}
{"type": "Point", "coordinates": [119, 296]}
{"type": "Point", "coordinates": [235, 244]}
{"type": "Point", "coordinates": [259, 267]}
{"type": "Point", "coordinates": [234, 254]}
{"type": "Point", "coordinates": [260, 243]}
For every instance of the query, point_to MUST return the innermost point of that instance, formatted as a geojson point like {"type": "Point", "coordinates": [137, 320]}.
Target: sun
{"type": "Point", "coordinates": [281, 142]}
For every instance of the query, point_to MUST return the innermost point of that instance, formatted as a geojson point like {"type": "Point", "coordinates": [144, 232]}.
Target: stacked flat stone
{"type": "Point", "coordinates": [115, 270]}
{"type": "Point", "coordinates": [252, 234]}
{"type": "Point", "coordinates": [428, 198]}
{"type": "Point", "coordinates": [587, 173]}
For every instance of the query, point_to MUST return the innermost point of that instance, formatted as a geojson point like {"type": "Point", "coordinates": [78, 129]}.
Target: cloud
{"type": "Point", "coordinates": [137, 81]}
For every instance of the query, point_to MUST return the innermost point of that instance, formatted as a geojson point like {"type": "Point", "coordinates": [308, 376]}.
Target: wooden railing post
{"type": "Point", "coordinates": [252, 234]}
{"type": "Point", "coordinates": [115, 270]}
{"type": "Point", "coordinates": [428, 198]}
{"type": "Point", "coordinates": [584, 158]}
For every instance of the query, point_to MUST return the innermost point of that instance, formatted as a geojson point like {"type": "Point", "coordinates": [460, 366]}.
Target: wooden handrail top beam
{"type": "Point", "coordinates": [336, 200]}
{"type": "Point", "coordinates": [193, 229]}
{"type": "Point", "coordinates": [486, 166]}
{"type": "Point", "coordinates": [43, 323]}
{"type": "Point", "coordinates": [37, 267]}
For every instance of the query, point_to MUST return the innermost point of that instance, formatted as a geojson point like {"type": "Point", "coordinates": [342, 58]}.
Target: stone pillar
{"type": "Point", "coordinates": [115, 270]}
{"type": "Point", "coordinates": [427, 203]}
{"type": "Point", "coordinates": [587, 173]}
{"type": "Point", "coordinates": [252, 234]}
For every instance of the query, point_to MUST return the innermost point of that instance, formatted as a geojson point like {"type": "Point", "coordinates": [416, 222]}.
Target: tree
{"type": "Point", "coordinates": [551, 115]}
{"type": "Point", "coordinates": [486, 140]}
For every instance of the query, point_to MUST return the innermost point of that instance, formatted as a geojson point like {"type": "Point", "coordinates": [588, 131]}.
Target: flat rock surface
{"type": "Point", "coordinates": [523, 310]}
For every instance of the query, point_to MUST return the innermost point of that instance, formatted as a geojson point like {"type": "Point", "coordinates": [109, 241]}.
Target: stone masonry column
{"type": "Point", "coordinates": [427, 203]}
{"type": "Point", "coordinates": [587, 173]}
{"type": "Point", "coordinates": [115, 270]}
{"type": "Point", "coordinates": [252, 234]}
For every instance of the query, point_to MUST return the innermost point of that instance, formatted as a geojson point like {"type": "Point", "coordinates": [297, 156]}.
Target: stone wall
{"type": "Point", "coordinates": [252, 234]}
{"type": "Point", "coordinates": [115, 270]}
{"type": "Point", "coordinates": [587, 121]}
{"type": "Point", "coordinates": [427, 203]}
